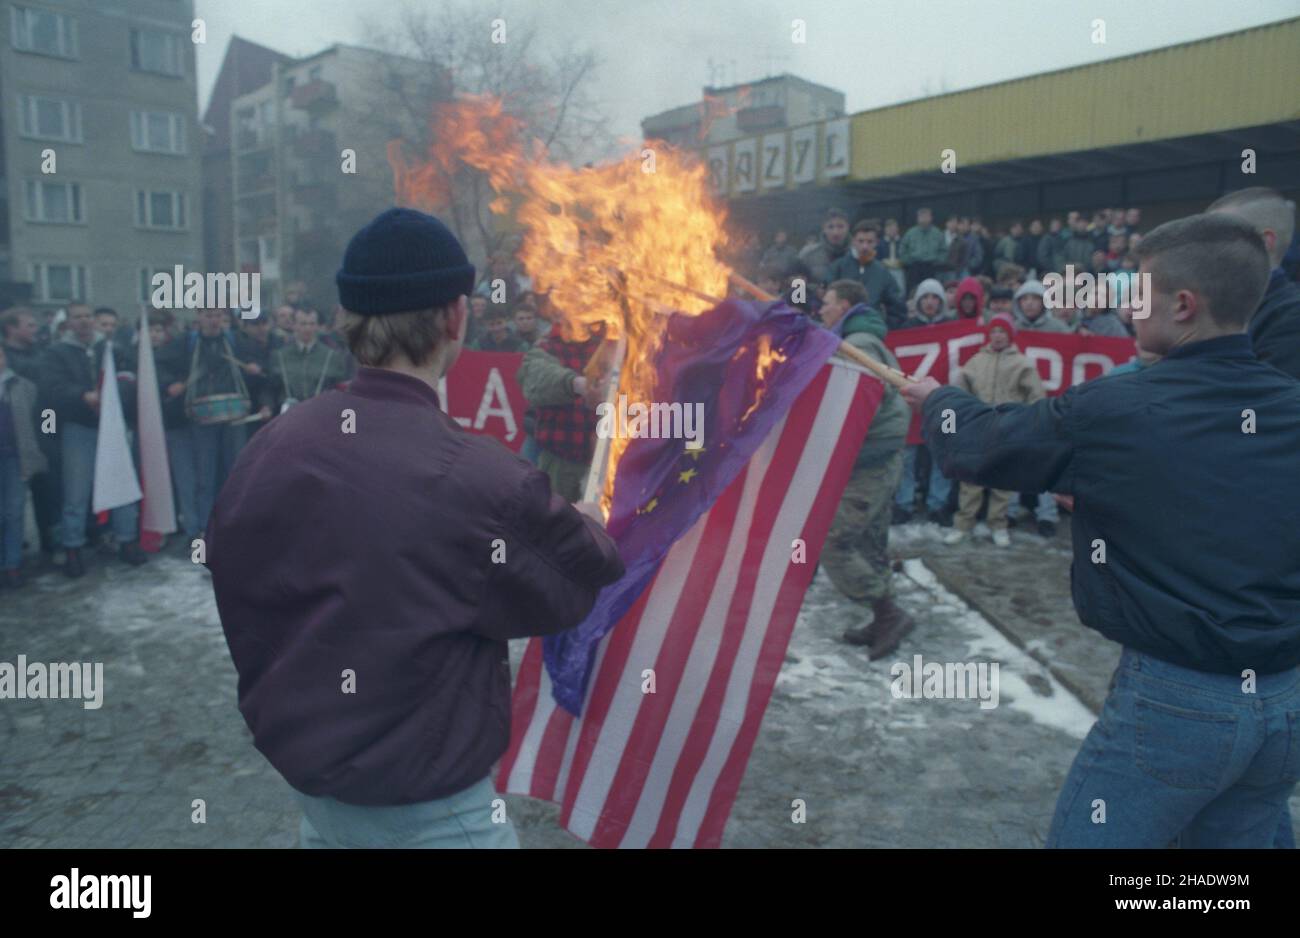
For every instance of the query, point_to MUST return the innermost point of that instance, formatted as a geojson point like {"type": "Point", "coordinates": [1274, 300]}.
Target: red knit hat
{"type": "Point", "coordinates": [1003, 320]}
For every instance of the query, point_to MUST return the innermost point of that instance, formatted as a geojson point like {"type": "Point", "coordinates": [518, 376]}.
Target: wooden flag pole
{"type": "Point", "coordinates": [599, 470]}
{"type": "Point", "coordinates": [851, 352]}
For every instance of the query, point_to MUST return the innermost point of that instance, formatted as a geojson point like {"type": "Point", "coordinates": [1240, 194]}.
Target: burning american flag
{"type": "Point", "coordinates": [640, 721]}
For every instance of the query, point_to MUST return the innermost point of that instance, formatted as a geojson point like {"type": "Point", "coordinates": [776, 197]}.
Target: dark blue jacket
{"type": "Point", "coordinates": [1199, 520]}
{"type": "Point", "coordinates": [1275, 327]}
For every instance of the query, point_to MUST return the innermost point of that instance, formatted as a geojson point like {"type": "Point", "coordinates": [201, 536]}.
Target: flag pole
{"type": "Point", "coordinates": [599, 470]}
{"type": "Point", "coordinates": [851, 352]}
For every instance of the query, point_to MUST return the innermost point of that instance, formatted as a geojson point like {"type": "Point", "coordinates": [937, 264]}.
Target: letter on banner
{"type": "Point", "coordinates": [773, 161]}
{"type": "Point", "coordinates": [803, 154]}
{"type": "Point", "coordinates": [745, 167]}
{"type": "Point", "coordinates": [835, 148]}
{"type": "Point", "coordinates": [1079, 368]}
{"type": "Point", "coordinates": [1055, 366]}
{"type": "Point", "coordinates": [955, 346]}
{"type": "Point", "coordinates": [718, 169]}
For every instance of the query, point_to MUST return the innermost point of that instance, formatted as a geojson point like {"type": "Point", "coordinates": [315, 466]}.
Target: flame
{"type": "Point", "coordinates": [714, 107]}
{"type": "Point", "coordinates": [767, 358]}
{"type": "Point", "coordinates": [620, 243]}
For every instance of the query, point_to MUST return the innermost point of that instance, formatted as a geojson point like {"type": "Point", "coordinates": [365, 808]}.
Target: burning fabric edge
{"type": "Point", "coordinates": [747, 363]}
{"type": "Point", "coordinates": [621, 243]}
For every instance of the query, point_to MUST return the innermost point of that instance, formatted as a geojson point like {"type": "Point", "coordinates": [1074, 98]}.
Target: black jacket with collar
{"type": "Point", "coordinates": [1185, 523]}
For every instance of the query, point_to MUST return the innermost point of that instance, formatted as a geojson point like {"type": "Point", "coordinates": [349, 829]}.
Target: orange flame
{"type": "Point", "coordinates": [767, 359]}
{"type": "Point", "coordinates": [606, 243]}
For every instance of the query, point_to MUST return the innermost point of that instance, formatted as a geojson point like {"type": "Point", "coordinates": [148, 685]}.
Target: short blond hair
{"type": "Point", "coordinates": [375, 341]}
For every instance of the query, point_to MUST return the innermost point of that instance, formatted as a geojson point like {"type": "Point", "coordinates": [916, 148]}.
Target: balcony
{"type": "Point", "coordinates": [315, 95]}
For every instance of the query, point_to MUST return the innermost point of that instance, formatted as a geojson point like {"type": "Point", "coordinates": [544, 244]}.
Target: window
{"type": "Point", "coordinates": [60, 283]}
{"type": "Point", "coordinates": [49, 118]}
{"type": "Point", "coordinates": [158, 132]}
{"type": "Point", "coordinates": [153, 51]}
{"type": "Point", "coordinates": [146, 282]}
{"type": "Point", "coordinates": [43, 31]}
{"type": "Point", "coordinates": [55, 202]}
{"type": "Point", "coordinates": [160, 209]}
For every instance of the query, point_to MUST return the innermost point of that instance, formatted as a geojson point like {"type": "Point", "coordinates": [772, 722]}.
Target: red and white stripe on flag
{"type": "Point", "coordinates": [662, 769]}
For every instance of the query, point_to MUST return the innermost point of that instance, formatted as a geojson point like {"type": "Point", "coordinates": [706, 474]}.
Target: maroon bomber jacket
{"type": "Point", "coordinates": [372, 552]}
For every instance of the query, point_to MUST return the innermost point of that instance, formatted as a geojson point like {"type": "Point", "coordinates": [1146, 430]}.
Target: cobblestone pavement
{"type": "Point", "coordinates": [872, 769]}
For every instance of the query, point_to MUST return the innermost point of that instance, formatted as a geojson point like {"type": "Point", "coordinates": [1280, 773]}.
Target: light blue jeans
{"type": "Point", "coordinates": [1045, 509]}
{"type": "Point", "coordinates": [1186, 756]}
{"type": "Point", "coordinates": [216, 447]}
{"type": "Point", "coordinates": [936, 499]}
{"type": "Point", "coordinates": [182, 452]}
{"type": "Point", "coordinates": [13, 502]}
{"type": "Point", "coordinates": [459, 821]}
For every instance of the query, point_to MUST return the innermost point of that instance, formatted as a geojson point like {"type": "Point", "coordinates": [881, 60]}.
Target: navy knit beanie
{"type": "Point", "coordinates": [402, 261]}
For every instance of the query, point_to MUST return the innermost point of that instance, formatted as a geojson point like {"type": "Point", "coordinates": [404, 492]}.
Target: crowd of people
{"type": "Point", "coordinates": [929, 275]}
{"type": "Point", "coordinates": [221, 377]}
{"type": "Point", "coordinates": [962, 259]}
{"type": "Point", "coordinates": [863, 278]}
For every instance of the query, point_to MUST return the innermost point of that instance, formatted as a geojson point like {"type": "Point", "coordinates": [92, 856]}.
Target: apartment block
{"type": "Point", "coordinates": [99, 149]}
{"type": "Point", "coordinates": [310, 161]}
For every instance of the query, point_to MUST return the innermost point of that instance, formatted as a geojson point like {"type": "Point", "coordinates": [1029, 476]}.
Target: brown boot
{"type": "Point", "coordinates": [887, 629]}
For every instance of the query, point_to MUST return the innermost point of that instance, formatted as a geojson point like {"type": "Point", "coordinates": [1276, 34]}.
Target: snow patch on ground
{"type": "Point", "coordinates": [1059, 708]}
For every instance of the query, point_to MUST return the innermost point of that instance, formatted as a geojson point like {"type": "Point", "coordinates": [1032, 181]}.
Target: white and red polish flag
{"type": "Point", "coordinates": [158, 512]}
{"type": "Point", "coordinates": [662, 769]}
{"type": "Point", "coordinates": [115, 481]}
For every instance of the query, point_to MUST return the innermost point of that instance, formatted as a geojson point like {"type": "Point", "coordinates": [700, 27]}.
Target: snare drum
{"type": "Point", "coordinates": [218, 408]}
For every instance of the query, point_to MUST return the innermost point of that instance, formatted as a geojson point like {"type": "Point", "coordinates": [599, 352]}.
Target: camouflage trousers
{"type": "Point", "coordinates": [856, 556]}
{"type": "Point", "coordinates": [567, 478]}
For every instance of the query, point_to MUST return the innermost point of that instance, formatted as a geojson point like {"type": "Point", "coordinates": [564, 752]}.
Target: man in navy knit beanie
{"type": "Point", "coordinates": [371, 558]}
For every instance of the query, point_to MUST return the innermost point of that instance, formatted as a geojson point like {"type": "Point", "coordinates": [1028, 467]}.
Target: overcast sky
{"type": "Point", "coordinates": [656, 53]}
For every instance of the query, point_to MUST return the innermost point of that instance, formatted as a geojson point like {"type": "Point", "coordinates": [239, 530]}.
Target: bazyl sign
{"type": "Point", "coordinates": [835, 148]}
{"type": "Point", "coordinates": [745, 171]}
{"type": "Point", "coordinates": [803, 154]}
{"type": "Point", "coordinates": [718, 169]}
{"type": "Point", "coordinates": [773, 161]}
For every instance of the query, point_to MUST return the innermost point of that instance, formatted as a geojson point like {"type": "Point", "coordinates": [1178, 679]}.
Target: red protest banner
{"type": "Point", "coordinates": [1063, 358]}
{"type": "Point", "coordinates": [480, 393]}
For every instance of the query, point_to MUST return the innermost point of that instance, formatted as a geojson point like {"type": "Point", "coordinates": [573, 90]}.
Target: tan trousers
{"type": "Point", "coordinates": [968, 506]}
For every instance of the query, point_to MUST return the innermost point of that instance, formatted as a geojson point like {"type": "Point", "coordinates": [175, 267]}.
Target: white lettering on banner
{"type": "Point", "coordinates": [836, 148]}
{"type": "Point", "coordinates": [1081, 362]}
{"type": "Point", "coordinates": [773, 161]}
{"type": "Point", "coordinates": [718, 169]}
{"type": "Point", "coordinates": [954, 350]}
{"type": "Point", "coordinates": [1055, 366]}
{"type": "Point", "coordinates": [495, 390]}
{"type": "Point", "coordinates": [746, 154]}
{"type": "Point", "coordinates": [803, 154]}
{"type": "Point", "coordinates": [929, 352]}
{"type": "Point", "coordinates": [442, 399]}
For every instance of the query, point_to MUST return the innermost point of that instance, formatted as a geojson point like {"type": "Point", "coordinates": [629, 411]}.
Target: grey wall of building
{"type": "Point", "coordinates": [101, 80]}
